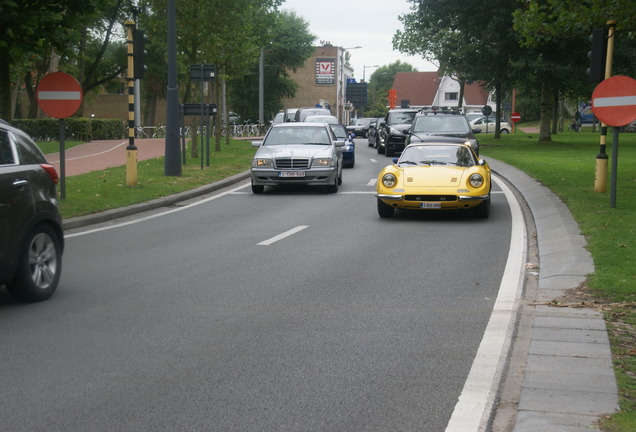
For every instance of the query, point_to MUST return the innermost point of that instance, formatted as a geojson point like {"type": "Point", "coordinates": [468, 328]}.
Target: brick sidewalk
{"type": "Point", "coordinates": [99, 155]}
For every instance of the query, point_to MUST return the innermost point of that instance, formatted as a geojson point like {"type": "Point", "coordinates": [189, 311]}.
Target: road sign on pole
{"type": "Point", "coordinates": [614, 100]}
{"type": "Point", "coordinates": [515, 117]}
{"type": "Point", "coordinates": [59, 95]}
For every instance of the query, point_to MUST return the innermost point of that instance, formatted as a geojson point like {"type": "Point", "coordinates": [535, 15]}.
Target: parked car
{"type": "Point", "coordinates": [361, 127]}
{"type": "Point", "coordinates": [392, 137]}
{"type": "Point", "coordinates": [489, 125]}
{"type": "Point", "coordinates": [447, 123]}
{"type": "Point", "coordinates": [302, 113]}
{"type": "Point", "coordinates": [349, 150]}
{"type": "Point", "coordinates": [329, 119]}
{"type": "Point", "coordinates": [279, 117]}
{"type": "Point", "coordinates": [374, 128]}
{"type": "Point", "coordinates": [30, 221]}
{"type": "Point", "coordinates": [298, 153]}
{"type": "Point", "coordinates": [438, 174]}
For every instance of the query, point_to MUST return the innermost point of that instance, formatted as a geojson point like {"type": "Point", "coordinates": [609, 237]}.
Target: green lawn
{"type": "Point", "coordinates": [567, 165]}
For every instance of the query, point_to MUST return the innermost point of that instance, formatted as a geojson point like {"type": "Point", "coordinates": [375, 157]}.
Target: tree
{"type": "Point", "coordinates": [290, 44]}
{"type": "Point", "coordinates": [380, 82]}
{"type": "Point", "coordinates": [470, 41]}
{"type": "Point", "coordinates": [29, 32]}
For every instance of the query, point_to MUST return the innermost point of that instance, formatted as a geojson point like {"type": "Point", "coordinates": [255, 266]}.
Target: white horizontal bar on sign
{"type": "Point", "coordinates": [59, 95]}
{"type": "Point", "coordinates": [283, 235]}
{"type": "Point", "coordinates": [614, 101]}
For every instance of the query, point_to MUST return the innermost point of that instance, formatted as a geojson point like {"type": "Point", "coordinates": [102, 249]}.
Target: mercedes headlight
{"type": "Point", "coordinates": [476, 180]}
{"type": "Point", "coordinates": [389, 180]}
{"type": "Point", "coordinates": [322, 162]}
{"type": "Point", "coordinates": [261, 163]}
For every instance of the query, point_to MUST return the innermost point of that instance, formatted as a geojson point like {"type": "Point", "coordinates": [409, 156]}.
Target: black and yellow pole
{"type": "Point", "coordinates": [600, 179]}
{"type": "Point", "coordinates": [131, 149]}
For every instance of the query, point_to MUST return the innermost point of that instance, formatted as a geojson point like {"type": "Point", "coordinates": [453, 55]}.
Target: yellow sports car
{"type": "Point", "coordinates": [440, 174]}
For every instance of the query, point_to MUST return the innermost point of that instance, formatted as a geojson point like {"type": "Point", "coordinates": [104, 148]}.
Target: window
{"type": "Point", "coordinates": [7, 154]}
{"type": "Point", "coordinates": [450, 96]}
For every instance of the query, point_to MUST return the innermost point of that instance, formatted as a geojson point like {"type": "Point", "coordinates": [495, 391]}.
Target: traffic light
{"type": "Point", "coordinates": [139, 53]}
{"type": "Point", "coordinates": [597, 55]}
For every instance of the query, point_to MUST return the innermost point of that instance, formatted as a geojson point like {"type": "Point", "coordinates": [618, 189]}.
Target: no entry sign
{"type": "Point", "coordinates": [614, 101]}
{"type": "Point", "coordinates": [515, 117]}
{"type": "Point", "coordinates": [59, 95]}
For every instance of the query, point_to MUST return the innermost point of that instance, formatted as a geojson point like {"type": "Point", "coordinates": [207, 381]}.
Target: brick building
{"type": "Point", "coordinates": [322, 80]}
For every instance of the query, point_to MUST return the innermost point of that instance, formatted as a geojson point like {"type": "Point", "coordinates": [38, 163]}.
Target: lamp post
{"type": "Point", "coordinates": [342, 83]}
{"type": "Point", "coordinates": [364, 71]}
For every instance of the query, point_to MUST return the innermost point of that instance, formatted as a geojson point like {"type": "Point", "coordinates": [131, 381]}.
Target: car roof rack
{"type": "Point", "coordinates": [441, 110]}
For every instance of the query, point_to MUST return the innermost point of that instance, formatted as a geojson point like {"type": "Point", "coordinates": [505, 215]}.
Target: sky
{"type": "Point", "coordinates": [351, 23]}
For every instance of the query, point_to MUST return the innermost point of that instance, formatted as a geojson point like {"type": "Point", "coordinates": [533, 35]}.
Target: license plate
{"type": "Point", "coordinates": [426, 205]}
{"type": "Point", "coordinates": [291, 174]}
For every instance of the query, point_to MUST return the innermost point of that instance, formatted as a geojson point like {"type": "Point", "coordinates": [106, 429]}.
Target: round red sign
{"type": "Point", "coordinates": [614, 101]}
{"type": "Point", "coordinates": [515, 117]}
{"type": "Point", "coordinates": [59, 95]}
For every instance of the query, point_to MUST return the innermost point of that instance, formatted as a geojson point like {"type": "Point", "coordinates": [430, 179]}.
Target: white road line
{"type": "Point", "coordinates": [476, 402]}
{"type": "Point", "coordinates": [373, 160]}
{"type": "Point", "coordinates": [283, 235]}
{"type": "Point", "coordinates": [372, 182]}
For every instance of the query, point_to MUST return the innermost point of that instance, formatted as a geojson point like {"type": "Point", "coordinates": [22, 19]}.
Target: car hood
{"type": "Point", "coordinates": [400, 126]}
{"type": "Point", "coordinates": [434, 176]}
{"type": "Point", "coordinates": [300, 151]}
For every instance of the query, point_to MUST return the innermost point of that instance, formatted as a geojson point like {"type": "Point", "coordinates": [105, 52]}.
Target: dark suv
{"type": "Point", "coordinates": [391, 137]}
{"type": "Point", "coordinates": [30, 222]}
{"type": "Point", "coordinates": [442, 123]}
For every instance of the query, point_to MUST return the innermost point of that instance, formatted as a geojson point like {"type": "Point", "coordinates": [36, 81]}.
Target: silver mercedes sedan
{"type": "Point", "coordinates": [298, 153]}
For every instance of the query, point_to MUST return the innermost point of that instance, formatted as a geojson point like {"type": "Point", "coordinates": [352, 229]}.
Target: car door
{"type": "Point", "coordinates": [16, 198]}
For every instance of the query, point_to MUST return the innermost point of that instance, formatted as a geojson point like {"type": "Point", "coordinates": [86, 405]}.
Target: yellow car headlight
{"type": "Point", "coordinates": [476, 180]}
{"type": "Point", "coordinates": [322, 162]}
{"type": "Point", "coordinates": [389, 180]}
{"type": "Point", "coordinates": [262, 162]}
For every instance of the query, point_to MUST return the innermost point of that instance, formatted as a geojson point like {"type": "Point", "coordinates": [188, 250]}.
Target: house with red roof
{"type": "Point", "coordinates": [420, 89]}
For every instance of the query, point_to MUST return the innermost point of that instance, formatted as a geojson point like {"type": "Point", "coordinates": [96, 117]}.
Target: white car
{"type": "Point", "coordinates": [298, 153]}
{"type": "Point", "coordinates": [489, 126]}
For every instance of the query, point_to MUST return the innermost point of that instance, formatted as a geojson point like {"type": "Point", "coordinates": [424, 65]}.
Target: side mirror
{"type": "Point", "coordinates": [476, 130]}
{"type": "Point", "coordinates": [339, 143]}
{"type": "Point", "coordinates": [257, 143]}
{"type": "Point", "coordinates": [395, 160]}
{"type": "Point", "coordinates": [407, 131]}
{"type": "Point", "coordinates": [481, 162]}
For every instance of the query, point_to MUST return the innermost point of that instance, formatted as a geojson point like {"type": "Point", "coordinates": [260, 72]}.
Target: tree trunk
{"type": "Point", "coordinates": [555, 112]}
{"type": "Point", "coordinates": [546, 111]}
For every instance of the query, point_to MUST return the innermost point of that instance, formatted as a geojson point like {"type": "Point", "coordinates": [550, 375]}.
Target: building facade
{"type": "Point", "coordinates": [322, 81]}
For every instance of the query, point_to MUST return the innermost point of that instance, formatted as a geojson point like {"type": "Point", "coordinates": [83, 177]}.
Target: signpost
{"type": "Point", "coordinates": [614, 104]}
{"type": "Point", "coordinates": [515, 117]}
{"type": "Point", "coordinates": [60, 96]}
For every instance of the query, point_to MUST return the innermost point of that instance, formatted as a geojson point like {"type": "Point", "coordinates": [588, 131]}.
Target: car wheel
{"type": "Point", "coordinates": [380, 149]}
{"type": "Point", "coordinates": [40, 266]}
{"type": "Point", "coordinates": [340, 178]}
{"type": "Point", "coordinates": [258, 189]}
{"type": "Point", "coordinates": [333, 188]}
{"type": "Point", "coordinates": [505, 131]}
{"type": "Point", "coordinates": [384, 210]}
{"type": "Point", "coordinates": [482, 211]}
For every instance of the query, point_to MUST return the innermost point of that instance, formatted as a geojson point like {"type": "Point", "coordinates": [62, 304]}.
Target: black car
{"type": "Point", "coordinates": [30, 221]}
{"type": "Point", "coordinates": [442, 123]}
{"type": "Point", "coordinates": [374, 128]}
{"type": "Point", "coordinates": [391, 136]}
{"type": "Point", "coordinates": [361, 127]}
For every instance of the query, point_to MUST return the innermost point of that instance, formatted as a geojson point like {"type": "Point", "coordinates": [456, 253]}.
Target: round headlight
{"type": "Point", "coordinates": [389, 180]}
{"type": "Point", "coordinates": [476, 180]}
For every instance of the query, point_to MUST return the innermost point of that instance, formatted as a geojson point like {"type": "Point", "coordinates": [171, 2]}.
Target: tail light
{"type": "Point", "coordinates": [50, 170]}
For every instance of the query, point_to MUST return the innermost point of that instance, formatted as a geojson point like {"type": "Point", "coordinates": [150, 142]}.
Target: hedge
{"type": "Point", "coordinates": [77, 129]}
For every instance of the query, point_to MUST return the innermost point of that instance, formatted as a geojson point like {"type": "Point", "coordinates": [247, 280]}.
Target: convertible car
{"type": "Point", "coordinates": [442, 174]}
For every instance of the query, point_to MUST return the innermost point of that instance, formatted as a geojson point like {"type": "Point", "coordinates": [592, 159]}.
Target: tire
{"type": "Point", "coordinates": [482, 211]}
{"type": "Point", "coordinates": [504, 131]}
{"type": "Point", "coordinates": [334, 187]}
{"type": "Point", "coordinates": [340, 178]}
{"type": "Point", "coordinates": [258, 189]}
{"type": "Point", "coordinates": [380, 149]}
{"type": "Point", "coordinates": [40, 266]}
{"type": "Point", "coordinates": [384, 210]}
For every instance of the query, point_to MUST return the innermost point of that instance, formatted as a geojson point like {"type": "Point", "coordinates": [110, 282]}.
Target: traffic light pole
{"type": "Point", "coordinates": [131, 149]}
{"type": "Point", "coordinates": [600, 180]}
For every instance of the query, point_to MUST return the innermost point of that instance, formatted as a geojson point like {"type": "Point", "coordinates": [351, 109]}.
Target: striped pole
{"type": "Point", "coordinates": [131, 149]}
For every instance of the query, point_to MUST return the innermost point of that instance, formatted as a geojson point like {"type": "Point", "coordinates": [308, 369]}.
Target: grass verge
{"type": "Point", "coordinates": [106, 189]}
{"type": "Point", "coordinates": [567, 166]}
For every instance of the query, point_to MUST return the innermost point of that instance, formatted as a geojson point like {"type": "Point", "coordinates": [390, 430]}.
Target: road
{"type": "Point", "coordinates": [294, 310]}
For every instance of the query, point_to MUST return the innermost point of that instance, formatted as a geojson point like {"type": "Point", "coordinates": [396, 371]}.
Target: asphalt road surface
{"type": "Point", "coordinates": [294, 310]}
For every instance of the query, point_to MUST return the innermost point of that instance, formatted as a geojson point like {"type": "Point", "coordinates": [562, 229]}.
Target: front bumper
{"type": "Point", "coordinates": [312, 176]}
{"type": "Point", "coordinates": [443, 202]}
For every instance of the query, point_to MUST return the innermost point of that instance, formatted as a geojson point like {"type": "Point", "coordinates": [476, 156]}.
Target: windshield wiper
{"type": "Point", "coordinates": [408, 162]}
{"type": "Point", "coordinates": [432, 162]}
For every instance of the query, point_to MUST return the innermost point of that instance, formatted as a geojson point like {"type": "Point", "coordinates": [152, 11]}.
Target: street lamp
{"type": "Point", "coordinates": [364, 70]}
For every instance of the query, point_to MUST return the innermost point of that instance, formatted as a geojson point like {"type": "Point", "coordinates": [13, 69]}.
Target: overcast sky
{"type": "Point", "coordinates": [350, 23]}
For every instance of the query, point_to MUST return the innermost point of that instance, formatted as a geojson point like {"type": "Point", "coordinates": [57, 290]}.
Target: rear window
{"type": "Point", "coordinates": [7, 153]}
{"type": "Point", "coordinates": [401, 117]}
